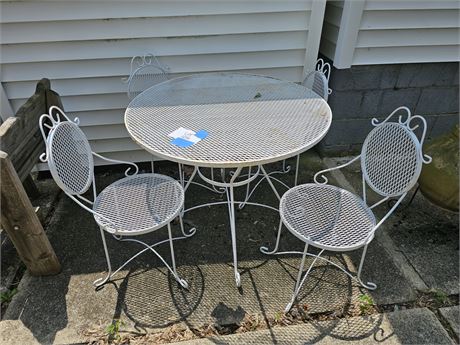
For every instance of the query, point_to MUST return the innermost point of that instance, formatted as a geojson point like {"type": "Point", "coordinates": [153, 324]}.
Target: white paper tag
{"type": "Point", "coordinates": [186, 134]}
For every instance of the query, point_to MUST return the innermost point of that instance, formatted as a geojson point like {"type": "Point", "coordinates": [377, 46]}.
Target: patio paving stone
{"type": "Point", "coordinates": [416, 326]}
{"type": "Point", "coordinates": [61, 308]}
{"type": "Point", "coordinates": [452, 315]}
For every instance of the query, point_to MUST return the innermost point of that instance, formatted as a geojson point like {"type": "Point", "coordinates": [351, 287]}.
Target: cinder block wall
{"type": "Point", "coordinates": [363, 92]}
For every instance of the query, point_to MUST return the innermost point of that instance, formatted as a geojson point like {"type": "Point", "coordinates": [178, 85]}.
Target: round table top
{"type": "Point", "coordinates": [251, 120]}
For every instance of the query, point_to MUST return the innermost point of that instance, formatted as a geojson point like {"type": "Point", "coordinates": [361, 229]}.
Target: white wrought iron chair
{"type": "Point", "coordinates": [135, 205]}
{"type": "Point", "coordinates": [334, 219]}
{"type": "Point", "coordinates": [318, 80]}
{"type": "Point", "coordinates": [145, 72]}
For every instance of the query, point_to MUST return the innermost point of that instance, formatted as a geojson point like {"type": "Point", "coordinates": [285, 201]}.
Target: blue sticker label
{"type": "Point", "coordinates": [201, 134]}
{"type": "Point", "coordinates": [181, 142]}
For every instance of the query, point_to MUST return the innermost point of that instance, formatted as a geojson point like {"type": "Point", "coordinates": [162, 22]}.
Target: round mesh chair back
{"type": "Point", "coordinates": [391, 159]}
{"type": "Point", "coordinates": [70, 158]}
{"type": "Point", "coordinates": [317, 82]}
{"type": "Point", "coordinates": [145, 77]}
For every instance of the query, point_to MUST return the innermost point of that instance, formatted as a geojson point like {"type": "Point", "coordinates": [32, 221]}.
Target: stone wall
{"type": "Point", "coordinates": [363, 92]}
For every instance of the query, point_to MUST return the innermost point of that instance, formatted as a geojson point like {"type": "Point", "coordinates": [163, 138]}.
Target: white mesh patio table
{"type": "Point", "coordinates": [251, 120]}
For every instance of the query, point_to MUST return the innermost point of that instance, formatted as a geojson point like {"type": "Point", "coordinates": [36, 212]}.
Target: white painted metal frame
{"type": "Point", "coordinates": [391, 162]}
{"type": "Point", "coordinates": [70, 161]}
{"type": "Point", "coordinates": [204, 102]}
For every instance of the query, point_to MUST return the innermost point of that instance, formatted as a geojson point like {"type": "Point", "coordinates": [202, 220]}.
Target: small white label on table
{"type": "Point", "coordinates": [186, 134]}
{"type": "Point", "coordinates": [184, 137]}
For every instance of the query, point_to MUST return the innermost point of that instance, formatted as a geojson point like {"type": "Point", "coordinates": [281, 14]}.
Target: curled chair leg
{"type": "Point", "coordinates": [102, 281]}
{"type": "Point", "coordinates": [190, 233]}
{"type": "Point", "coordinates": [298, 283]}
{"type": "Point", "coordinates": [264, 249]}
{"type": "Point", "coordinates": [369, 285]}
{"type": "Point", "coordinates": [182, 282]}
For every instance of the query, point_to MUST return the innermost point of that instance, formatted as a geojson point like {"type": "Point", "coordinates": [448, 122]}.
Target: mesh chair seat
{"type": "Point", "coordinates": [327, 217]}
{"type": "Point", "coordinates": [139, 204]}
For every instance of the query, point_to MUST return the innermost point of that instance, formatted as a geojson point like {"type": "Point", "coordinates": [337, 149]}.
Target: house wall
{"type": "Point", "coordinates": [85, 48]}
{"type": "Point", "coordinates": [375, 32]}
{"type": "Point", "coordinates": [386, 54]}
{"type": "Point", "coordinates": [363, 92]}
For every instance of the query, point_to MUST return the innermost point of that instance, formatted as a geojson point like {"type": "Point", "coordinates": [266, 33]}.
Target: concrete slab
{"type": "Point", "coordinates": [59, 309]}
{"type": "Point", "coordinates": [13, 332]}
{"type": "Point", "coordinates": [429, 238]}
{"type": "Point", "coordinates": [416, 326]}
{"type": "Point", "coordinates": [452, 316]}
{"type": "Point", "coordinates": [392, 286]}
{"type": "Point", "coordinates": [62, 308]}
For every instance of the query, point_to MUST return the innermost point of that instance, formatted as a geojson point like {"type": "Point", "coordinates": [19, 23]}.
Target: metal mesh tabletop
{"type": "Point", "coordinates": [250, 120]}
{"type": "Point", "coordinates": [326, 216]}
{"type": "Point", "coordinates": [139, 204]}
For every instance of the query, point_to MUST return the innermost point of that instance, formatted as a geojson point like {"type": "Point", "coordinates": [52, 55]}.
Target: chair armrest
{"type": "Point", "coordinates": [325, 180]}
{"type": "Point", "coordinates": [133, 165]}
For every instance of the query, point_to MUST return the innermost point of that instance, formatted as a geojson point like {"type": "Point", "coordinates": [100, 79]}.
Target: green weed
{"type": "Point", "coordinates": [113, 329]}
{"type": "Point", "coordinates": [7, 296]}
{"type": "Point", "coordinates": [365, 303]}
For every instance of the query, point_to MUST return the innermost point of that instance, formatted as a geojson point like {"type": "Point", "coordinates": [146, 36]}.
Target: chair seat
{"type": "Point", "coordinates": [327, 217]}
{"type": "Point", "coordinates": [139, 204]}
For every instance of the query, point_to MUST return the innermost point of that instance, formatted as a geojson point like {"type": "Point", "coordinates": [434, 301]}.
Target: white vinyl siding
{"type": "Point", "coordinates": [390, 31]}
{"type": "Point", "coordinates": [85, 47]}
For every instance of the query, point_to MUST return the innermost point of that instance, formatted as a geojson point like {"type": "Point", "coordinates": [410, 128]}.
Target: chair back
{"type": "Point", "coordinates": [318, 80]}
{"type": "Point", "coordinates": [146, 71]}
{"type": "Point", "coordinates": [392, 157]}
{"type": "Point", "coordinates": [68, 152]}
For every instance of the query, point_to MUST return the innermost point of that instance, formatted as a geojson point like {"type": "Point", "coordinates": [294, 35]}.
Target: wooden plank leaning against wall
{"type": "Point", "coordinates": [21, 144]}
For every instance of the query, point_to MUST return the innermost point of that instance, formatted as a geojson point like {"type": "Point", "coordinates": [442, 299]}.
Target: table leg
{"type": "Point", "coordinates": [231, 215]}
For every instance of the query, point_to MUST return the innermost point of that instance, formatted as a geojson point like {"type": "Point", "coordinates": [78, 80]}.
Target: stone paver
{"type": "Point", "coordinates": [452, 315]}
{"type": "Point", "coordinates": [13, 332]}
{"type": "Point", "coordinates": [416, 326]}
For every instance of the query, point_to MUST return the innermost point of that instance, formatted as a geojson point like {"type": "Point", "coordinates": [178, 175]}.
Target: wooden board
{"type": "Point", "coordinates": [22, 225]}
{"type": "Point", "coordinates": [20, 136]}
